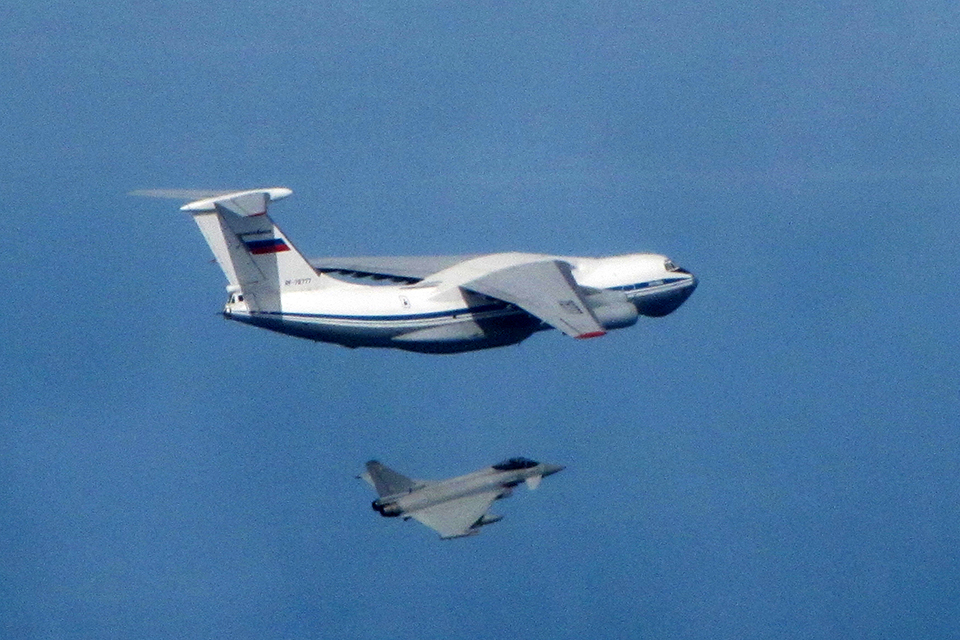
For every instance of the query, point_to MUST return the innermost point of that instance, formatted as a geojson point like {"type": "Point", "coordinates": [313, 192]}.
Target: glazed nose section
{"type": "Point", "coordinates": [691, 285]}
{"type": "Point", "coordinates": [661, 303]}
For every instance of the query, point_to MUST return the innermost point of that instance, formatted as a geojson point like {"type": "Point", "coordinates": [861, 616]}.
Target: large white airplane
{"type": "Point", "coordinates": [455, 507]}
{"type": "Point", "coordinates": [441, 304]}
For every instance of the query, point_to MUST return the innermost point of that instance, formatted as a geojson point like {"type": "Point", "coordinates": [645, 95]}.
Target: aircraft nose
{"type": "Point", "coordinates": [550, 469]}
{"type": "Point", "coordinates": [659, 304]}
{"type": "Point", "coordinates": [692, 283]}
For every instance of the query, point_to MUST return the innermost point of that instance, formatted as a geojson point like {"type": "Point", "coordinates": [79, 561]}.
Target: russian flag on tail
{"type": "Point", "coordinates": [260, 247]}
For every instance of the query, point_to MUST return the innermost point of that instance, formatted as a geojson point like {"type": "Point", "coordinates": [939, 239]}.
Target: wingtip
{"type": "Point", "coordinates": [591, 334]}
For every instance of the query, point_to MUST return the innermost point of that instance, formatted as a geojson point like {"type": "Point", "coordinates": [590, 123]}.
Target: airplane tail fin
{"type": "Point", "coordinates": [258, 260]}
{"type": "Point", "coordinates": [386, 481]}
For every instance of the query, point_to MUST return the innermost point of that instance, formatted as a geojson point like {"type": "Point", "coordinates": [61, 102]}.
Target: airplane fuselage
{"type": "Point", "coordinates": [465, 486]}
{"type": "Point", "coordinates": [436, 304]}
{"type": "Point", "coordinates": [455, 507]}
{"type": "Point", "coordinates": [437, 315]}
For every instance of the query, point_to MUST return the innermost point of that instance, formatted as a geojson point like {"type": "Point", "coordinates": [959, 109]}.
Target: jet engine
{"type": "Point", "coordinates": [387, 510]}
{"type": "Point", "coordinates": [612, 309]}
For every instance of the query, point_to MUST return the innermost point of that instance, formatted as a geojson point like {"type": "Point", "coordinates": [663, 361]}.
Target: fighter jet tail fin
{"type": "Point", "coordinates": [386, 481]}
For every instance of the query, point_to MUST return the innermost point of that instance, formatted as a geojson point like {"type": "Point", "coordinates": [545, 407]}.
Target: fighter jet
{"type": "Point", "coordinates": [440, 304]}
{"type": "Point", "coordinates": [455, 507]}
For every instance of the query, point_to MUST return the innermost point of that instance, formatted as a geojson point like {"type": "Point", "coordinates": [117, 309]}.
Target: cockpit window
{"type": "Point", "coordinates": [515, 463]}
{"type": "Point", "coordinates": [668, 265]}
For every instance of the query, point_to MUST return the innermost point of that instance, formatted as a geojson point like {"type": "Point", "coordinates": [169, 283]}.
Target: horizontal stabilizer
{"type": "Point", "coordinates": [242, 203]}
{"type": "Point", "coordinates": [180, 194]}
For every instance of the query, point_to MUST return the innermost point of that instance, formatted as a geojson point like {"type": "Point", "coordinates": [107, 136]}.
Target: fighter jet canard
{"type": "Point", "coordinates": [455, 507]}
{"type": "Point", "coordinates": [441, 304]}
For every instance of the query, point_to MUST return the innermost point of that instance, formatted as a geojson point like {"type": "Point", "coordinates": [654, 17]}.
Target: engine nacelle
{"type": "Point", "coordinates": [613, 310]}
{"type": "Point", "coordinates": [387, 510]}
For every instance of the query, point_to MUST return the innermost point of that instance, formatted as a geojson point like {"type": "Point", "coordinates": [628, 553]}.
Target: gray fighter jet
{"type": "Point", "coordinates": [455, 507]}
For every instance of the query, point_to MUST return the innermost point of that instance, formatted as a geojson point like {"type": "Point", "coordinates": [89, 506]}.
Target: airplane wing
{"type": "Point", "coordinates": [456, 518]}
{"type": "Point", "coordinates": [411, 268]}
{"type": "Point", "coordinates": [545, 289]}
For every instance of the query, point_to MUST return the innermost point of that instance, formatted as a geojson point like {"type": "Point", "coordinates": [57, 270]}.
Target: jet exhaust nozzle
{"type": "Point", "coordinates": [388, 510]}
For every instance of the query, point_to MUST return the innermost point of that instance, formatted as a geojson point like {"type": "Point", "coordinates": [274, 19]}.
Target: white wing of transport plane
{"type": "Point", "coordinates": [546, 290]}
{"type": "Point", "coordinates": [427, 304]}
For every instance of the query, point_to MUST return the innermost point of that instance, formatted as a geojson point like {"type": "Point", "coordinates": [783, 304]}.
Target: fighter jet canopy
{"type": "Point", "coordinates": [514, 464]}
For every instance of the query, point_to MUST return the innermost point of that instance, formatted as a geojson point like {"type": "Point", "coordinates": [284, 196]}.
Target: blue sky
{"type": "Point", "coordinates": [776, 459]}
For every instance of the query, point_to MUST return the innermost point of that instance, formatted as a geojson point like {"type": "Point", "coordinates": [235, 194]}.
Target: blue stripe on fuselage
{"type": "Point", "coordinates": [646, 285]}
{"type": "Point", "coordinates": [397, 317]}
{"type": "Point", "coordinates": [436, 315]}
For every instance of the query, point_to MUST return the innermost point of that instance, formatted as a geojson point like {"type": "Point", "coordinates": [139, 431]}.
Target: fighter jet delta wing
{"type": "Point", "coordinates": [460, 517]}
{"type": "Point", "coordinates": [544, 289]}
